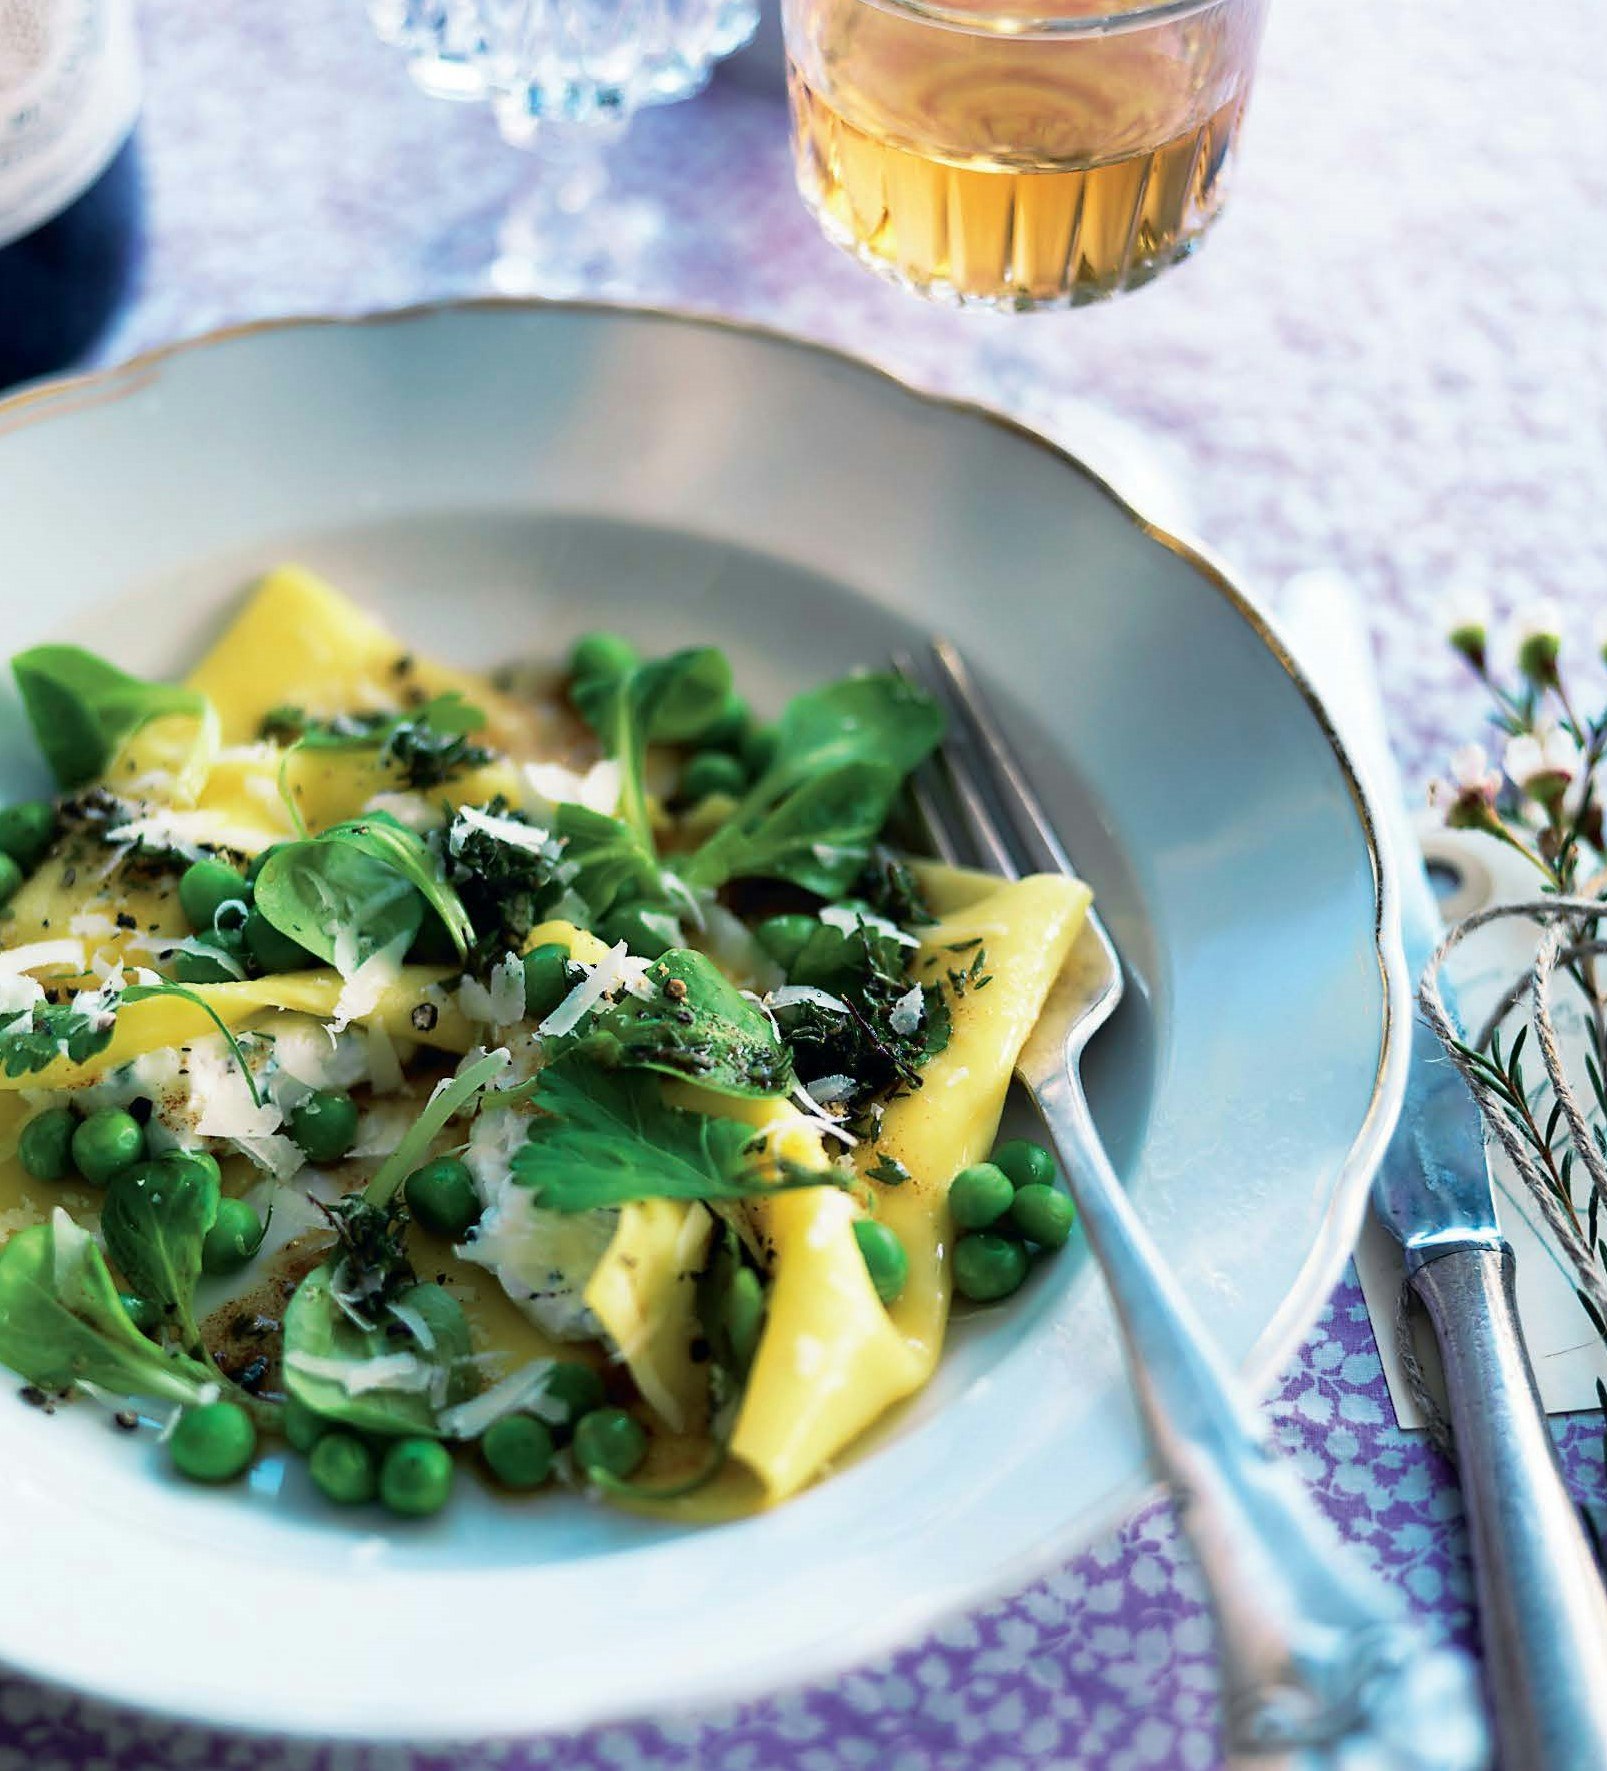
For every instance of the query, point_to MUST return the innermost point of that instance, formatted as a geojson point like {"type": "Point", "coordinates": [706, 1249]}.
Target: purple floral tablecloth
{"type": "Point", "coordinates": [1391, 357]}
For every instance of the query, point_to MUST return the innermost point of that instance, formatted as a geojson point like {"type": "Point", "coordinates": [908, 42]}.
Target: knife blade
{"type": "Point", "coordinates": [1542, 1605]}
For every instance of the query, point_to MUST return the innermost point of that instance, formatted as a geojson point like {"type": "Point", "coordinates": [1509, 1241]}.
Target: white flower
{"type": "Point", "coordinates": [1468, 798]}
{"type": "Point", "coordinates": [1471, 771]}
{"type": "Point", "coordinates": [1543, 763]}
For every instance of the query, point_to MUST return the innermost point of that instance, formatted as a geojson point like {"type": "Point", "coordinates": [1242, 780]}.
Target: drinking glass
{"type": "Point", "coordinates": [1018, 154]}
{"type": "Point", "coordinates": [564, 78]}
{"type": "Point", "coordinates": [439, 42]}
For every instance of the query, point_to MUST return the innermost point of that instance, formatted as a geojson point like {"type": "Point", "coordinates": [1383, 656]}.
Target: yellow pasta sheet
{"type": "Point", "coordinates": [832, 1359]}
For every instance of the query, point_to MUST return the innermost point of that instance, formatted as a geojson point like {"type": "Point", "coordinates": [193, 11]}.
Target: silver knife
{"type": "Point", "coordinates": [1542, 1604]}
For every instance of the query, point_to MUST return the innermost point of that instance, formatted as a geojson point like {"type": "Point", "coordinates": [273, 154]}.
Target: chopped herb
{"type": "Point", "coordinates": [505, 887]}
{"type": "Point", "coordinates": [888, 1170]}
{"type": "Point", "coordinates": [428, 744]}
{"type": "Point", "coordinates": [695, 1024]}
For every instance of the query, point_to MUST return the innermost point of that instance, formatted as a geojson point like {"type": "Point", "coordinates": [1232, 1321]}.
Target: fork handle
{"type": "Point", "coordinates": [1321, 1667]}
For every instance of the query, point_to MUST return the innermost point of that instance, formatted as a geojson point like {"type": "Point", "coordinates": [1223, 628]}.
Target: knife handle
{"type": "Point", "coordinates": [1542, 1604]}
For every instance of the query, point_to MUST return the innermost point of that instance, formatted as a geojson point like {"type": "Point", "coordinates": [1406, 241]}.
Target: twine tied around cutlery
{"type": "Point", "coordinates": [1568, 938]}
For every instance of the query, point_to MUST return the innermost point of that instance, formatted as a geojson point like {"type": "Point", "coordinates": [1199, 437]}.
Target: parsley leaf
{"type": "Point", "coordinates": [53, 1030]}
{"type": "Point", "coordinates": [606, 1137]}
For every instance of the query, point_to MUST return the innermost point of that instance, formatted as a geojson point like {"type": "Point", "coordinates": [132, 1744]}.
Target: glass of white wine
{"type": "Point", "coordinates": [564, 78]}
{"type": "Point", "coordinates": [1018, 154]}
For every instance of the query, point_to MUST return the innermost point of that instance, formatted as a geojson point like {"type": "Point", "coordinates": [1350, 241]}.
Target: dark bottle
{"type": "Point", "coordinates": [69, 178]}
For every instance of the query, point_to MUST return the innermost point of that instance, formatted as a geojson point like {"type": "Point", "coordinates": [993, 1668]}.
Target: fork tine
{"type": "Point", "coordinates": [949, 768]}
{"type": "Point", "coordinates": [936, 827]}
{"type": "Point", "coordinates": [1035, 835]}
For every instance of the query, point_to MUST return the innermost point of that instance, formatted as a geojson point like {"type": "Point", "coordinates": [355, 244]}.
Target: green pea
{"type": "Point", "coordinates": [725, 730]}
{"type": "Point", "coordinates": [646, 933]}
{"type": "Point", "coordinates": [10, 878]}
{"type": "Point", "coordinates": [988, 1266]}
{"type": "Point", "coordinates": [1026, 1163]}
{"type": "Point", "coordinates": [442, 1198]}
{"type": "Point", "coordinates": [1043, 1215]}
{"type": "Point", "coordinates": [980, 1195]}
{"type": "Point", "coordinates": [546, 978]}
{"type": "Point", "coordinates": [274, 950]}
{"type": "Point", "coordinates": [213, 1443]}
{"type": "Point", "coordinates": [758, 749]}
{"type": "Point", "coordinates": [785, 937]}
{"type": "Point", "coordinates": [342, 1470]}
{"type": "Point", "coordinates": [301, 1427]}
{"type": "Point", "coordinates": [141, 1312]}
{"type": "Point", "coordinates": [743, 1314]}
{"type": "Point", "coordinates": [710, 772]}
{"type": "Point", "coordinates": [45, 1147]}
{"type": "Point", "coordinates": [260, 860]}
{"type": "Point", "coordinates": [235, 1236]}
{"type": "Point", "coordinates": [416, 1477]}
{"type": "Point", "coordinates": [518, 1451]}
{"type": "Point", "coordinates": [193, 966]}
{"type": "Point", "coordinates": [571, 1390]}
{"type": "Point", "coordinates": [324, 1125]}
{"type": "Point", "coordinates": [885, 1259]}
{"type": "Point", "coordinates": [27, 829]}
{"type": "Point", "coordinates": [106, 1143]}
{"type": "Point", "coordinates": [601, 655]}
{"type": "Point", "coordinates": [609, 1441]}
{"type": "Point", "coordinates": [204, 888]}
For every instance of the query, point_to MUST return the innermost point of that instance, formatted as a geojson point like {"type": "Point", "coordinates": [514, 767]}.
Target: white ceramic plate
{"type": "Point", "coordinates": [495, 479]}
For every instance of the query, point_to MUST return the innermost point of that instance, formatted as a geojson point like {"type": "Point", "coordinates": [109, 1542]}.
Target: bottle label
{"type": "Point", "coordinates": [69, 95]}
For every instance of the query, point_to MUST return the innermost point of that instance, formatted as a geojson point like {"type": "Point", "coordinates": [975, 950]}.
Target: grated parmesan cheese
{"type": "Point", "coordinates": [551, 784]}
{"type": "Point", "coordinates": [508, 991]}
{"type": "Point", "coordinates": [841, 916]}
{"type": "Point", "coordinates": [189, 834]}
{"type": "Point", "coordinates": [906, 1013]}
{"type": "Point", "coordinates": [404, 1373]}
{"type": "Point", "coordinates": [791, 993]}
{"type": "Point", "coordinates": [602, 979]}
{"type": "Point", "coordinates": [529, 837]}
{"type": "Point", "coordinates": [19, 995]}
{"type": "Point", "coordinates": [520, 1389]}
{"type": "Point", "coordinates": [361, 993]}
{"type": "Point", "coordinates": [384, 1066]}
{"type": "Point", "coordinates": [830, 1089]}
{"type": "Point", "coordinates": [69, 955]}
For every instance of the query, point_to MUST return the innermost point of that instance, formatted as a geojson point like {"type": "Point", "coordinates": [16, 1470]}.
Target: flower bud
{"type": "Point", "coordinates": [1465, 616]}
{"type": "Point", "coordinates": [1542, 763]}
{"type": "Point", "coordinates": [1538, 644]}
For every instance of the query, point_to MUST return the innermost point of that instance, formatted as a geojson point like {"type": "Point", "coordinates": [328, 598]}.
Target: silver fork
{"type": "Point", "coordinates": [1321, 1666]}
